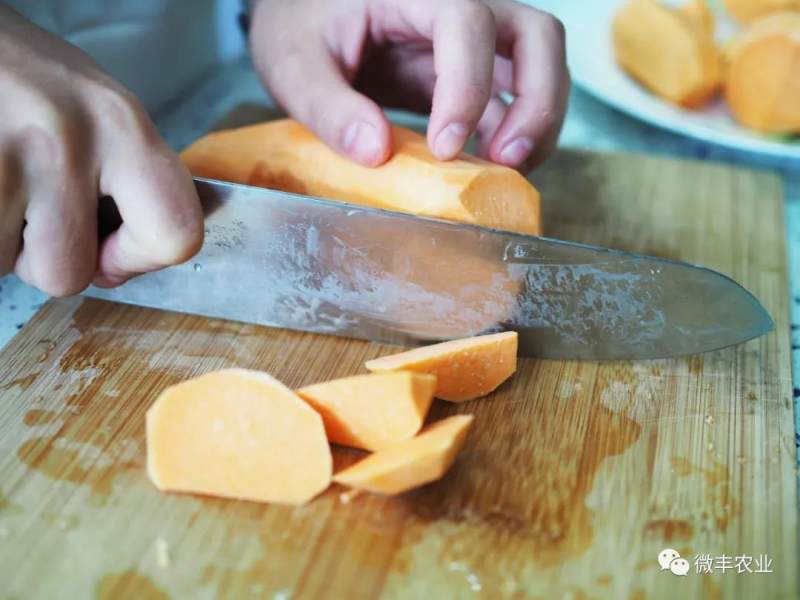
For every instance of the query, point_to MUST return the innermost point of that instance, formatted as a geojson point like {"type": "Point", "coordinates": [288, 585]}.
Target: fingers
{"type": "Point", "coordinates": [464, 46]}
{"type": "Point", "coordinates": [59, 240]}
{"type": "Point", "coordinates": [59, 249]}
{"type": "Point", "coordinates": [489, 124]}
{"type": "Point", "coordinates": [162, 221]}
{"type": "Point", "coordinates": [301, 74]}
{"type": "Point", "coordinates": [310, 86]}
{"type": "Point", "coordinates": [530, 128]}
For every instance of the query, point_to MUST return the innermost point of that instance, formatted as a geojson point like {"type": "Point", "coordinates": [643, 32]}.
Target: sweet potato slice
{"type": "Point", "coordinates": [762, 84]}
{"type": "Point", "coordinates": [465, 369]}
{"type": "Point", "coordinates": [748, 10]}
{"type": "Point", "coordinates": [664, 51]}
{"type": "Point", "coordinates": [411, 463]}
{"type": "Point", "coordinates": [372, 411]}
{"type": "Point", "coordinates": [237, 434]}
{"type": "Point", "coordinates": [285, 155]}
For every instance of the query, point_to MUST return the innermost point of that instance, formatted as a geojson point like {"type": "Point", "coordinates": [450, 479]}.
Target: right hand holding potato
{"type": "Point", "coordinates": [69, 136]}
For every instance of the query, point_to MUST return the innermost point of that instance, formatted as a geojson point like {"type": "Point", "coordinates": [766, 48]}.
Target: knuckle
{"type": "Point", "coordinates": [121, 111]}
{"type": "Point", "coordinates": [46, 139]}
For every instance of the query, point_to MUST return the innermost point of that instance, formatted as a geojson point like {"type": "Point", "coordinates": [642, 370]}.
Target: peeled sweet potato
{"type": "Point", "coordinates": [372, 411]}
{"type": "Point", "coordinates": [667, 53]}
{"type": "Point", "coordinates": [237, 434]}
{"type": "Point", "coordinates": [286, 156]}
{"type": "Point", "coordinates": [762, 84]}
{"type": "Point", "coordinates": [465, 369]}
{"type": "Point", "coordinates": [411, 463]}
{"type": "Point", "coordinates": [747, 10]}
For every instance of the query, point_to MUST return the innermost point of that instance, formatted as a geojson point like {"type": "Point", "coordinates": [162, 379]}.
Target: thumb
{"type": "Point", "coordinates": [309, 84]}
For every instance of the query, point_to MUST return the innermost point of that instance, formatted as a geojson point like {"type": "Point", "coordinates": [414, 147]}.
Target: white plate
{"type": "Point", "coordinates": [593, 68]}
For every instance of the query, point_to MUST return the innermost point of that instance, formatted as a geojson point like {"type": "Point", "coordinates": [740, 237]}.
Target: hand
{"type": "Point", "coordinates": [330, 62]}
{"type": "Point", "coordinates": [69, 135]}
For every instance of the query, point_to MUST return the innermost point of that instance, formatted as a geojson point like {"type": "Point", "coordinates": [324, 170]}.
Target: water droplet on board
{"type": "Point", "coordinates": [197, 267]}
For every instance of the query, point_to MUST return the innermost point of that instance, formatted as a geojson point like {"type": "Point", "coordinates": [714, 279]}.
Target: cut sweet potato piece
{"type": "Point", "coordinates": [411, 463]}
{"type": "Point", "coordinates": [748, 10]}
{"type": "Point", "coordinates": [372, 411]}
{"type": "Point", "coordinates": [237, 434]}
{"type": "Point", "coordinates": [285, 155]}
{"type": "Point", "coordinates": [664, 51]}
{"type": "Point", "coordinates": [465, 369]}
{"type": "Point", "coordinates": [762, 84]}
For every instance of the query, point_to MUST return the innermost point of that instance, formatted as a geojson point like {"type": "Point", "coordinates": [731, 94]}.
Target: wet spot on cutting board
{"type": "Point", "coordinates": [670, 529]}
{"type": "Point", "coordinates": [23, 383]}
{"type": "Point", "coordinates": [499, 530]}
{"type": "Point", "coordinates": [53, 458]}
{"type": "Point", "coordinates": [36, 417]}
{"type": "Point", "coordinates": [717, 490]}
{"type": "Point", "coordinates": [128, 584]}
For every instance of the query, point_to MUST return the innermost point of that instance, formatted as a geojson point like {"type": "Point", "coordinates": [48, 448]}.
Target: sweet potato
{"type": "Point", "coordinates": [762, 84]}
{"type": "Point", "coordinates": [664, 51]}
{"type": "Point", "coordinates": [237, 434]}
{"type": "Point", "coordinates": [372, 411]}
{"type": "Point", "coordinates": [411, 463]}
{"type": "Point", "coordinates": [747, 10]}
{"type": "Point", "coordinates": [285, 155]}
{"type": "Point", "coordinates": [465, 369]}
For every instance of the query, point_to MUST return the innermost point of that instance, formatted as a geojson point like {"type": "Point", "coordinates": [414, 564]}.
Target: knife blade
{"type": "Point", "coordinates": [296, 262]}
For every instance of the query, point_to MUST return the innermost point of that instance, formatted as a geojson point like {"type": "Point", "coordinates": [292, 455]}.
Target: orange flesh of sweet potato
{"type": "Point", "coordinates": [372, 411]}
{"type": "Point", "coordinates": [286, 156]}
{"type": "Point", "coordinates": [465, 369]}
{"type": "Point", "coordinates": [762, 84]}
{"type": "Point", "coordinates": [666, 53]}
{"type": "Point", "coordinates": [699, 15]}
{"type": "Point", "coordinates": [237, 434]}
{"type": "Point", "coordinates": [411, 463]}
{"type": "Point", "coordinates": [747, 10]}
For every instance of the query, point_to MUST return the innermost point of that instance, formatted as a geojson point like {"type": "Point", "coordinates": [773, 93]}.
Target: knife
{"type": "Point", "coordinates": [296, 262]}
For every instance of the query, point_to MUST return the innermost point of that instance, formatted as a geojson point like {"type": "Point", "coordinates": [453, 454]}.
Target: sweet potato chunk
{"type": "Point", "coordinates": [372, 411]}
{"type": "Point", "coordinates": [237, 434]}
{"type": "Point", "coordinates": [411, 463]}
{"type": "Point", "coordinates": [286, 156]}
{"type": "Point", "coordinates": [465, 369]}
{"type": "Point", "coordinates": [762, 84]}
{"type": "Point", "coordinates": [667, 53]}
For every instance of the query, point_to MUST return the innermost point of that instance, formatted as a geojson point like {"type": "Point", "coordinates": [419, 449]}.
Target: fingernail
{"type": "Point", "coordinates": [516, 151]}
{"type": "Point", "coordinates": [361, 142]}
{"type": "Point", "coordinates": [450, 141]}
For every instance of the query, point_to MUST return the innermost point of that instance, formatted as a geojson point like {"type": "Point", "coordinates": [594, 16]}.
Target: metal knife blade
{"type": "Point", "coordinates": [297, 262]}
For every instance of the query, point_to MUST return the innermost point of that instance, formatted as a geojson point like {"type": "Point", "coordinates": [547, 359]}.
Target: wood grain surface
{"type": "Point", "coordinates": [573, 478]}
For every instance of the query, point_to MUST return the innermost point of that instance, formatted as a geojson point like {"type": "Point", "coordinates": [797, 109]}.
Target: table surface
{"type": "Point", "coordinates": [590, 124]}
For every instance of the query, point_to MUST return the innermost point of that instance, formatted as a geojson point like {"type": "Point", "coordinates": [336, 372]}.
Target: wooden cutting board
{"type": "Point", "coordinates": [574, 477]}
